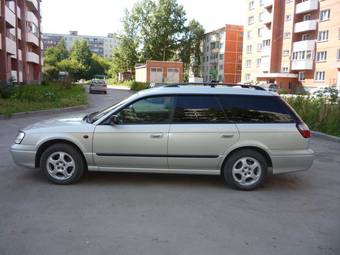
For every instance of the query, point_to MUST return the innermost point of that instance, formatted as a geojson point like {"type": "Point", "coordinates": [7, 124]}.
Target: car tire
{"type": "Point", "coordinates": [90, 91]}
{"type": "Point", "coordinates": [105, 92]}
{"type": "Point", "coordinates": [62, 164]}
{"type": "Point", "coordinates": [245, 170]}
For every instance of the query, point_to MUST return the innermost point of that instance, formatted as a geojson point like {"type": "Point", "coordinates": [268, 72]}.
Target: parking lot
{"type": "Point", "coordinates": [116, 213]}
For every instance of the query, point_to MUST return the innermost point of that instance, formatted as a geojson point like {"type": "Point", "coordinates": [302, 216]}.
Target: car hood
{"type": "Point", "coordinates": [64, 124]}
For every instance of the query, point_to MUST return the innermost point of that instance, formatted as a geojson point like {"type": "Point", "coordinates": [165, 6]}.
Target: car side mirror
{"type": "Point", "coordinates": [115, 120]}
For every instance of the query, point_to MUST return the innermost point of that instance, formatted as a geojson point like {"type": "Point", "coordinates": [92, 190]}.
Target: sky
{"type": "Point", "coordinates": [100, 17]}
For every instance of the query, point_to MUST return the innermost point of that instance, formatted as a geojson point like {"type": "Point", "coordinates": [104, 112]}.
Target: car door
{"type": "Point", "coordinates": [199, 134]}
{"type": "Point", "coordinates": [138, 139]}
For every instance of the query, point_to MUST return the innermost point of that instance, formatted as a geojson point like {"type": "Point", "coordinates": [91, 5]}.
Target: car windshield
{"type": "Point", "coordinates": [93, 117]}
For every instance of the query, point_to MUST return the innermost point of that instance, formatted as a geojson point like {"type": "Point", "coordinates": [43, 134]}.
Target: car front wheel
{"type": "Point", "coordinates": [245, 170]}
{"type": "Point", "coordinates": [62, 164]}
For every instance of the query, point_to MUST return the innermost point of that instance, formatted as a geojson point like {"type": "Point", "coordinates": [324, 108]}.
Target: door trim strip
{"type": "Point", "coordinates": [154, 155]}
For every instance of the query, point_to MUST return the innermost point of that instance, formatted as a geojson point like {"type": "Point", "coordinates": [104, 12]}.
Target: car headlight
{"type": "Point", "coordinates": [20, 137]}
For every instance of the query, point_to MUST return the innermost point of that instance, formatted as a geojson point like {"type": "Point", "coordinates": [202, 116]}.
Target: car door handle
{"type": "Point", "coordinates": [156, 135]}
{"type": "Point", "coordinates": [227, 136]}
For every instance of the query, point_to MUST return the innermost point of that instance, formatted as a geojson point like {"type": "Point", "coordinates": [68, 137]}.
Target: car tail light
{"type": "Point", "coordinates": [303, 129]}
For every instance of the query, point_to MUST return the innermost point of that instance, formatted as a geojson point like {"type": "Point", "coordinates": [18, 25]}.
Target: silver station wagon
{"type": "Point", "coordinates": [242, 134]}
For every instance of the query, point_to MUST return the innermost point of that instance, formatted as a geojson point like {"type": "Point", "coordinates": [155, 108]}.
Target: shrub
{"type": "Point", "coordinates": [137, 86]}
{"type": "Point", "coordinates": [318, 113]}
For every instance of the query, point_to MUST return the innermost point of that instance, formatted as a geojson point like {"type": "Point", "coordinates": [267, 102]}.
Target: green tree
{"type": "Point", "coordinates": [157, 30]}
{"type": "Point", "coordinates": [190, 52]}
{"type": "Point", "coordinates": [52, 57]}
{"type": "Point", "coordinates": [55, 54]}
{"type": "Point", "coordinates": [99, 65]}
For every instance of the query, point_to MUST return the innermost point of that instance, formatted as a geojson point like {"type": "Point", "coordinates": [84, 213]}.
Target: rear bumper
{"type": "Point", "coordinates": [299, 161]}
{"type": "Point", "coordinates": [23, 155]}
{"type": "Point", "coordinates": [102, 89]}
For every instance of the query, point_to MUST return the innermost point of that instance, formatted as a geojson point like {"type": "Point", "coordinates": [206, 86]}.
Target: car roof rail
{"type": "Point", "coordinates": [214, 84]}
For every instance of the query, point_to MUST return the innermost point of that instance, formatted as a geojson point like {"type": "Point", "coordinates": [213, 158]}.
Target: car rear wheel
{"type": "Point", "coordinates": [62, 164]}
{"type": "Point", "coordinates": [245, 170]}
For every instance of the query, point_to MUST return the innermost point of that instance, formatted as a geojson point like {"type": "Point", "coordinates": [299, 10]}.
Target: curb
{"type": "Point", "coordinates": [43, 112]}
{"type": "Point", "coordinates": [326, 137]}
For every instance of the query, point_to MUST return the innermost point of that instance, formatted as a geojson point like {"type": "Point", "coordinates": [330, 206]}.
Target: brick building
{"type": "Point", "coordinates": [20, 41]}
{"type": "Point", "coordinates": [160, 71]}
{"type": "Point", "coordinates": [222, 54]}
{"type": "Point", "coordinates": [292, 43]}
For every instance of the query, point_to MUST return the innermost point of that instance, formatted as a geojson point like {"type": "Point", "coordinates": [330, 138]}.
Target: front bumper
{"type": "Point", "coordinates": [23, 155]}
{"type": "Point", "coordinates": [298, 161]}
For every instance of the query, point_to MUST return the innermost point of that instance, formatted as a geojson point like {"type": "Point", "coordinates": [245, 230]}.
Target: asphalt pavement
{"type": "Point", "coordinates": [120, 213]}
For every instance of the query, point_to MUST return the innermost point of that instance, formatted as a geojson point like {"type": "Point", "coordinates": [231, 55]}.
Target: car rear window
{"type": "Point", "coordinates": [197, 109]}
{"type": "Point", "coordinates": [255, 109]}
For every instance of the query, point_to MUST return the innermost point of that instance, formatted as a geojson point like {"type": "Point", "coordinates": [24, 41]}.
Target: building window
{"type": "Point", "coordinates": [258, 62]}
{"type": "Point", "coordinates": [338, 54]}
{"type": "Point", "coordinates": [302, 55]}
{"type": "Point", "coordinates": [319, 76]}
{"type": "Point", "coordinates": [259, 32]}
{"type": "Point", "coordinates": [250, 20]}
{"type": "Point", "coordinates": [286, 35]}
{"type": "Point", "coordinates": [248, 63]}
{"type": "Point", "coordinates": [288, 1]}
{"type": "Point", "coordinates": [248, 35]}
{"type": "Point", "coordinates": [339, 34]}
{"type": "Point", "coordinates": [321, 56]}
{"type": "Point", "coordinates": [266, 43]}
{"type": "Point", "coordinates": [286, 53]}
{"type": "Point", "coordinates": [301, 76]}
{"type": "Point", "coordinates": [261, 16]}
{"type": "Point", "coordinates": [306, 17]}
{"type": "Point", "coordinates": [259, 46]}
{"type": "Point", "coordinates": [261, 2]}
{"type": "Point", "coordinates": [247, 76]}
{"type": "Point", "coordinates": [285, 69]}
{"type": "Point", "coordinates": [305, 37]}
{"type": "Point", "coordinates": [288, 17]}
{"type": "Point", "coordinates": [249, 49]}
{"type": "Point", "coordinates": [221, 56]}
{"type": "Point", "coordinates": [325, 15]}
{"type": "Point", "coordinates": [251, 5]}
{"type": "Point", "coordinates": [323, 36]}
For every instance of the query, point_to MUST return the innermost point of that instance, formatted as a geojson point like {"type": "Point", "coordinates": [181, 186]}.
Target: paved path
{"type": "Point", "coordinates": [115, 213]}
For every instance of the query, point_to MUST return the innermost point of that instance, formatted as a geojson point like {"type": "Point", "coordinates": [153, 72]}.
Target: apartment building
{"type": "Point", "coordinates": [101, 45]}
{"type": "Point", "coordinates": [20, 41]}
{"type": "Point", "coordinates": [222, 54]}
{"type": "Point", "coordinates": [292, 43]}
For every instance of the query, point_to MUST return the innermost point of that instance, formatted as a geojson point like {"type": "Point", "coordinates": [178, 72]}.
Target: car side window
{"type": "Point", "coordinates": [197, 109]}
{"type": "Point", "coordinates": [151, 110]}
{"type": "Point", "coordinates": [255, 109]}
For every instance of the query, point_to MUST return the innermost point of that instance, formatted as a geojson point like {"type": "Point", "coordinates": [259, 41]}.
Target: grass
{"type": "Point", "coordinates": [28, 98]}
{"type": "Point", "coordinates": [318, 113]}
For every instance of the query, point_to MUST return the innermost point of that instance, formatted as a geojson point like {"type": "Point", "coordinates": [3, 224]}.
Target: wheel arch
{"type": "Point", "coordinates": [49, 143]}
{"type": "Point", "coordinates": [255, 148]}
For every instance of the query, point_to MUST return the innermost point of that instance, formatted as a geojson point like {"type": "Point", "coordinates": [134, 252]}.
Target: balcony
{"type": "Point", "coordinates": [19, 33]}
{"type": "Point", "coordinates": [32, 38]}
{"type": "Point", "coordinates": [20, 55]}
{"type": "Point", "coordinates": [32, 57]}
{"type": "Point", "coordinates": [32, 18]}
{"type": "Point", "coordinates": [265, 64]}
{"type": "Point", "coordinates": [304, 26]}
{"type": "Point", "coordinates": [267, 18]}
{"type": "Point", "coordinates": [9, 17]}
{"type": "Point", "coordinates": [20, 77]}
{"type": "Point", "coordinates": [14, 75]}
{"type": "Point", "coordinates": [265, 51]}
{"type": "Point", "coordinates": [306, 6]}
{"type": "Point", "coordinates": [267, 34]}
{"type": "Point", "coordinates": [303, 64]}
{"type": "Point", "coordinates": [18, 12]}
{"type": "Point", "coordinates": [304, 45]}
{"type": "Point", "coordinates": [33, 4]}
{"type": "Point", "coordinates": [11, 46]}
{"type": "Point", "coordinates": [267, 3]}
